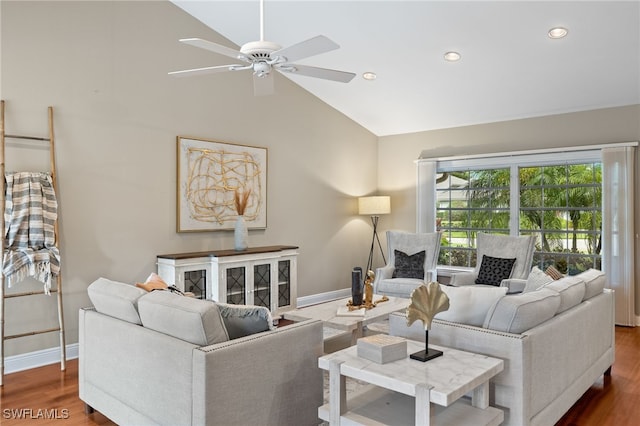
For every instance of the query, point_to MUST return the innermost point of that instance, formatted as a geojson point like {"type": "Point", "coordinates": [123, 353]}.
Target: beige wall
{"type": "Point", "coordinates": [396, 154]}
{"type": "Point", "coordinates": [103, 66]}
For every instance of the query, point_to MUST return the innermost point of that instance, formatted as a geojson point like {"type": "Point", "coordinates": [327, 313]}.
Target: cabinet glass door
{"type": "Point", "coordinates": [196, 283]}
{"type": "Point", "coordinates": [236, 285]}
{"type": "Point", "coordinates": [284, 283]}
{"type": "Point", "coordinates": [262, 285]}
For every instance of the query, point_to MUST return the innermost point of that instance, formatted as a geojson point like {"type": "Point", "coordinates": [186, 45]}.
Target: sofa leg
{"type": "Point", "coordinates": [607, 372]}
{"type": "Point", "coordinates": [88, 409]}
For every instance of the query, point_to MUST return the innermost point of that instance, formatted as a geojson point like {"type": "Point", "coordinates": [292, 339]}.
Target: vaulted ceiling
{"type": "Point", "coordinates": [509, 67]}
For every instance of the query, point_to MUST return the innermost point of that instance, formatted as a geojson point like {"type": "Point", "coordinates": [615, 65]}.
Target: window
{"type": "Point", "coordinates": [469, 202]}
{"type": "Point", "coordinates": [578, 201]}
{"type": "Point", "coordinates": [558, 200]}
{"type": "Point", "coordinates": [562, 206]}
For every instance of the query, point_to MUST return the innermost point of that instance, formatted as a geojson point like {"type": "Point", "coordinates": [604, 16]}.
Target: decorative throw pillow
{"type": "Point", "coordinates": [469, 304]}
{"type": "Point", "coordinates": [408, 266]}
{"type": "Point", "coordinates": [494, 269]}
{"type": "Point", "coordinates": [536, 279]}
{"type": "Point", "coordinates": [153, 282]}
{"type": "Point", "coordinates": [244, 320]}
{"type": "Point", "coordinates": [553, 273]}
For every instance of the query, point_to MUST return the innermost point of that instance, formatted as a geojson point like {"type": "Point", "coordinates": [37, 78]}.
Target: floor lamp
{"type": "Point", "coordinates": [374, 207]}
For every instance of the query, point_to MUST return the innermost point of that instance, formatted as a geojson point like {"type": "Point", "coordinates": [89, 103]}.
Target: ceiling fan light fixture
{"type": "Point", "coordinates": [557, 32]}
{"type": "Point", "coordinates": [452, 56]}
{"type": "Point", "coordinates": [369, 76]}
{"type": "Point", "coordinates": [261, 69]}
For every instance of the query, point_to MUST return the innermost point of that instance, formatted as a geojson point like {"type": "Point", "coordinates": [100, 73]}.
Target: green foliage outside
{"type": "Point", "coordinates": [561, 205]}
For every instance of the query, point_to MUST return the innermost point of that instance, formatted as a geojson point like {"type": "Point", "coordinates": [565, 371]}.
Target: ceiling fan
{"type": "Point", "coordinates": [262, 57]}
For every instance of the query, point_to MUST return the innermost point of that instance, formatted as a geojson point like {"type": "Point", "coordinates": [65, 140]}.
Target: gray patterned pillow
{"type": "Point", "coordinates": [494, 269]}
{"type": "Point", "coordinates": [408, 266]}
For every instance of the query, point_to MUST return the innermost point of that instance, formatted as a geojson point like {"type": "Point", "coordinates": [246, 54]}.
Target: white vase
{"type": "Point", "coordinates": [240, 234]}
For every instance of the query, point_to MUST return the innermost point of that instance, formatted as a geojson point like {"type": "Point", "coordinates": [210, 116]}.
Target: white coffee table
{"type": "Point", "coordinates": [327, 312]}
{"type": "Point", "coordinates": [408, 392]}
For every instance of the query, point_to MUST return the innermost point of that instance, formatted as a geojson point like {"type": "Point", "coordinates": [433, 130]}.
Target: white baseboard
{"type": "Point", "coordinates": [15, 363]}
{"type": "Point", "coordinates": [323, 297]}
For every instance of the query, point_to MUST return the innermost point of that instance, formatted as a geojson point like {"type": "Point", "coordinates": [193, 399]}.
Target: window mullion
{"type": "Point", "coordinates": [514, 199]}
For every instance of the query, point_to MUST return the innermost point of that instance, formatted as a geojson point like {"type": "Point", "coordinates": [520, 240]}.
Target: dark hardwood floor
{"type": "Point", "coordinates": [48, 396]}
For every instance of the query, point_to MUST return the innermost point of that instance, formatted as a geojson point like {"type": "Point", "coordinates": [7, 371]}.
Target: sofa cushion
{"type": "Point", "coordinates": [571, 291]}
{"type": "Point", "coordinates": [243, 320]}
{"type": "Point", "coordinates": [116, 299]}
{"type": "Point", "coordinates": [594, 282]}
{"type": "Point", "coordinates": [520, 312]}
{"type": "Point", "coordinates": [494, 269]}
{"type": "Point", "coordinates": [398, 286]}
{"type": "Point", "coordinates": [536, 279]}
{"type": "Point", "coordinates": [192, 320]}
{"type": "Point", "coordinates": [408, 266]}
{"type": "Point", "coordinates": [470, 304]}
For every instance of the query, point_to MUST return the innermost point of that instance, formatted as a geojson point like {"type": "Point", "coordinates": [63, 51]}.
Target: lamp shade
{"type": "Point", "coordinates": [374, 205]}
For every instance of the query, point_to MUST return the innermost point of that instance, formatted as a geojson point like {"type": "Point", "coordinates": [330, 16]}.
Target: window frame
{"type": "Point", "coordinates": [514, 161]}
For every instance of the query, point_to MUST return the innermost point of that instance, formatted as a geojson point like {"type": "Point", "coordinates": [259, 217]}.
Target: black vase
{"type": "Point", "coordinates": [356, 286]}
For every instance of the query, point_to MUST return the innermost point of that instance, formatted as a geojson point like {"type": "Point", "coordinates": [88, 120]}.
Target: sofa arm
{"type": "Point", "coordinates": [382, 273]}
{"type": "Point", "coordinates": [459, 279]}
{"type": "Point", "coordinates": [275, 372]}
{"type": "Point", "coordinates": [514, 285]}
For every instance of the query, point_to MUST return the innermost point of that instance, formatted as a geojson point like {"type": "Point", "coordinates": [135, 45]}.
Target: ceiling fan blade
{"type": "Point", "coordinates": [263, 86]}
{"type": "Point", "coordinates": [327, 74]}
{"type": "Point", "coordinates": [206, 70]}
{"type": "Point", "coordinates": [304, 49]}
{"type": "Point", "coordinates": [214, 47]}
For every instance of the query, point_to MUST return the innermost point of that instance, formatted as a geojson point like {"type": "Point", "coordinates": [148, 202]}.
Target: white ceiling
{"type": "Point", "coordinates": [509, 69]}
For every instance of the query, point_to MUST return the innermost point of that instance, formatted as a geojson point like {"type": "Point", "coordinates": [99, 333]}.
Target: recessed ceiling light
{"type": "Point", "coordinates": [369, 75]}
{"type": "Point", "coordinates": [452, 56]}
{"type": "Point", "coordinates": [558, 32]}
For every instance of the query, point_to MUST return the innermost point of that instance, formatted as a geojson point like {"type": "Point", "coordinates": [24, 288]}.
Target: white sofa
{"type": "Point", "coordinates": [160, 358]}
{"type": "Point", "coordinates": [555, 341]}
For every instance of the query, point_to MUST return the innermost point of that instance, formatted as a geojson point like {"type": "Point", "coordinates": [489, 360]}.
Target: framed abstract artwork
{"type": "Point", "coordinates": [210, 175]}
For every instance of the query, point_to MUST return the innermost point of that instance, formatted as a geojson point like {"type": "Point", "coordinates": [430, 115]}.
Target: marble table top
{"type": "Point", "coordinates": [327, 312]}
{"type": "Point", "coordinates": [450, 376]}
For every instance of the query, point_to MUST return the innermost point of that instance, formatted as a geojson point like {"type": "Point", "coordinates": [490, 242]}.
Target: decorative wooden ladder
{"type": "Point", "coordinates": [58, 289]}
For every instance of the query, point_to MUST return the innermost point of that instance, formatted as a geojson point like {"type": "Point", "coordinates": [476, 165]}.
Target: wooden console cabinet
{"type": "Point", "coordinates": [263, 276]}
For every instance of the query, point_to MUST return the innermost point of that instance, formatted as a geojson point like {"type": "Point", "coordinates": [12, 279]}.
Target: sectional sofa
{"type": "Point", "coordinates": [556, 341]}
{"type": "Point", "coordinates": [163, 359]}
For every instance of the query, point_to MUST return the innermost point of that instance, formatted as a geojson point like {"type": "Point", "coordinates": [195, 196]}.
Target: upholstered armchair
{"type": "Point", "coordinates": [412, 261]}
{"type": "Point", "coordinates": [498, 253]}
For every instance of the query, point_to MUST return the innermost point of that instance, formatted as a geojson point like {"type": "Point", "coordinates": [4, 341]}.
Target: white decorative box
{"type": "Point", "coordinates": [382, 348]}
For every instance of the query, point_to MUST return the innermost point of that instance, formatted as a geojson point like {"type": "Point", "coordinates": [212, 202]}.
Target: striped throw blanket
{"type": "Point", "coordinates": [31, 210]}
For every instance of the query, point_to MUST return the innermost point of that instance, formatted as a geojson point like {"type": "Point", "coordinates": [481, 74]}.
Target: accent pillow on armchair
{"type": "Point", "coordinates": [406, 266]}
{"type": "Point", "coordinates": [494, 269]}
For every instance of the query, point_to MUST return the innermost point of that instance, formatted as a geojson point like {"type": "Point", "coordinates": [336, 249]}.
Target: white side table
{"type": "Point", "coordinates": [412, 392]}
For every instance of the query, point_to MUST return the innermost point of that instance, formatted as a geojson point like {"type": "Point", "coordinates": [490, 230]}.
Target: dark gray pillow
{"type": "Point", "coordinates": [494, 269]}
{"type": "Point", "coordinates": [408, 266]}
{"type": "Point", "coordinates": [244, 320]}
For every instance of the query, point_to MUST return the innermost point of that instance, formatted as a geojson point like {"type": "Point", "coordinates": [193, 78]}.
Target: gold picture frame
{"type": "Point", "coordinates": [208, 175]}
